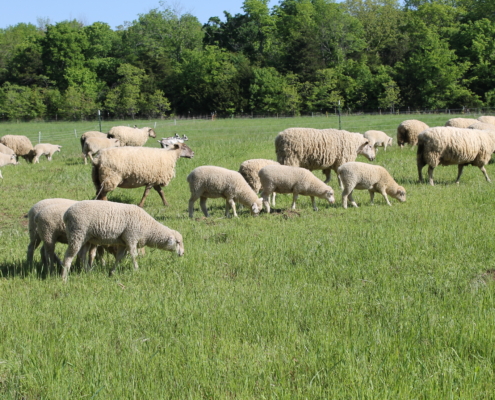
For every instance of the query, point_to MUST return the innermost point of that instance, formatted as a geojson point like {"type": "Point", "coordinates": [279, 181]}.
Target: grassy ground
{"type": "Point", "coordinates": [373, 303]}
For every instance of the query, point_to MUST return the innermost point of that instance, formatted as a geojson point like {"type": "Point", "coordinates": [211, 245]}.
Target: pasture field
{"type": "Point", "coordinates": [371, 303]}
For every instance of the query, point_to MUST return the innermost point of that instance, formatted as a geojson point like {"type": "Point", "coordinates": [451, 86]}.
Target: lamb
{"type": "Point", "coordinates": [379, 138]}
{"type": "Point", "coordinates": [450, 146]}
{"type": "Point", "coordinates": [295, 180]}
{"type": "Point", "coordinates": [93, 145]}
{"type": "Point", "coordinates": [133, 167]}
{"type": "Point", "coordinates": [86, 135]}
{"type": "Point", "coordinates": [210, 182]}
{"type": "Point", "coordinates": [324, 149]}
{"type": "Point", "coordinates": [6, 159]}
{"type": "Point", "coordinates": [6, 150]}
{"type": "Point", "coordinates": [487, 119]}
{"type": "Point", "coordinates": [249, 170]}
{"type": "Point", "coordinates": [166, 143]}
{"type": "Point", "coordinates": [374, 178]}
{"type": "Point", "coordinates": [408, 131]}
{"type": "Point", "coordinates": [131, 136]}
{"type": "Point", "coordinates": [21, 145]}
{"type": "Point", "coordinates": [482, 126]}
{"type": "Point", "coordinates": [124, 225]}
{"type": "Point", "coordinates": [460, 122]}
{"type": "Point", "coordinates": [46, 149]}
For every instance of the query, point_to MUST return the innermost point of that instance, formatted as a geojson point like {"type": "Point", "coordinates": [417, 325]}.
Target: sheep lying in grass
{"type": "Point", "coordinates": [131, 136]}
{"type": "Point", "coordinates": [408, 131]}
{"type": "Point", "coordinates": [454, 146]}
{"type": "Point", "coordinates": [324, 149]}
{"type": "Point", "coordinates": [249, 170]}
{"type": "Point", "coordinates": [6, 159]}
{"type": "Point", "coordinates": [210, 182]}
{"type": "Point", "coordinates": [46, 149]}
{"type": "Point", "coordinates": [123, 225]}
{"type": "Point", "coordinates": [460, 122]}
{"type": "Point", "coordinates": [374, 178]}
{"type": "Point", "coordinates": [295, 180]}
{"type": "Point", "coordinates": [21, 145]}
{"type": "Point", "coordinates": [93, 145]}
{"type": "Point", "coordinates": [133, 167]}
{"type": "Point", "coordinates": [379, 138]}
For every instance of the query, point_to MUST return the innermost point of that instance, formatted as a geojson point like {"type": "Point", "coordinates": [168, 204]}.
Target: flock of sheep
{"type": "Point", "coordinates": [91, 227]}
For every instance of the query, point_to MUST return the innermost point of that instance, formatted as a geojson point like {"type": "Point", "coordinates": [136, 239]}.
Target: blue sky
{"type": "Point", "coordinates": [113, 12]}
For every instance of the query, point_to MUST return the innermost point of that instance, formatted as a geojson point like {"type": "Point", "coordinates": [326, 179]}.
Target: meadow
{"type": "Point", "coordinates": [376, 302]}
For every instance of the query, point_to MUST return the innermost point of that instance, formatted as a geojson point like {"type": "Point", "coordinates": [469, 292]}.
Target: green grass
{"type": "Point", "coordinates": [372, 303]}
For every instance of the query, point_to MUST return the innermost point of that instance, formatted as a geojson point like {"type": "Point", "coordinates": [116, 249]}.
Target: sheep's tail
{"type": "Point", "coordinates": [95, 175]}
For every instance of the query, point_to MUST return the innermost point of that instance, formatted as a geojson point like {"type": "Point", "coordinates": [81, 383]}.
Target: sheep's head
{"type": "Point", "coordinates": [400, 194]}
{"type": "Point", "coordinates": [329, 195]}
{"type": "Point", "coordinates": [389, 141]}
{"type": "Point", "coordinates": [367, 149]}
{"type": "Point", "coordinates": [257, 206]}
{"type": "Point", "coordinates": [13, 159]}
{"type": "Point", "coordinates": [30, 156]}
{"type": "Point", "coordinates": [151, 133]}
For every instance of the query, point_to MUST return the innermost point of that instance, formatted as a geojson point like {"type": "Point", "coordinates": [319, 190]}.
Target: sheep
{"type": "Point", "coordinates": [295, 180]}
{"type": "Point", "coordinates": [124, 225]}
{"type": "Point", "coordinates": [460, 122]}
{"type": "Point", "coordinates": [374, 178]}
{"type": "Point", "coordinates": [210, 182]}
{"type": "Point", "coordinates": [408, 131]}
{"type": "Point", "coordinates": [46, 149]}
{"type": "Point", "coordinates": [324, 149]}
{"type": "Point", "coordinates": [93, 145]}
{"type": "Point", "coordinates": [379, 138]}
{"type": "Point", "coordinates": [21, 145]}
{"type": "Point", "coordinates": [451, 146]}
{"type": "Point", "coordinates": [482, 126]}
{"type": "Point", "coordinates": [131, 136]}
{"type": "Point", "coordinates": [166, 143]}
{"type": "Point", "coordinates": [249, 170]}
{"type": "Point", "coordinates": [487, 119]}
{"type": "Point", "coordinates": [86, 135]}
{"type": "Point", "coordinates": [6, 150]}
{"type": "Point", "coordinates": [6, 159]}
{"type": "Point", "coordinates": [133, 167]}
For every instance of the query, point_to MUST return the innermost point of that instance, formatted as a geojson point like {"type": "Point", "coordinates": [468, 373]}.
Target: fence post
{"type": "Point", "coordinates": [340, 123]}
{"type": "Point", "coordinates": [175, 122]}
{"type": "Point", "coordinates": [75, 133]}
{"type": "Point", "coordinates": [39, 137]}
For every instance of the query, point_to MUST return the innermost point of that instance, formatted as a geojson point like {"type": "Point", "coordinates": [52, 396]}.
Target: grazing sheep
{"type": "Point", "coordinates": [45, 149]}
{"type": "Point", "coordinates": [460, 122]}
{"type": "Point", "coordinates": [6, 159]}
{"type": "Point", "coordinates": [93, 145]}
{"type": "Point", "coordinates": [408, 131]}
{"type": "Point", "coordinates": [295, 180]}
{"type": "Point", "coordinates": [133, 167]}
{"type": "Point", "coordinates": [131, 136]}
{"type": "Point", "coordinates": [209, 182]}
{"type": "Point", "coordinates": [249, 170]}
{"type": "Point", "coordinates": [124, 225]}
{"type": "Point", "coordinates": [451, 146]}
{"type": "Point", "coordinates": [487, 119]}
{"type": "Point", "coordinates": [87, 135]}
{"type": "Point", "coordinates": [324, 149]}
{"type": "Point", "coordinates": [379, 138]}
{"type": "Point", "coordinates": [482, 126]}
{"type": "Point", "coordinates": [6, 150]}
{"type": "Point", "coordinates": [374, 178]}
{"type": "Point", "coordinates": [21, 145]}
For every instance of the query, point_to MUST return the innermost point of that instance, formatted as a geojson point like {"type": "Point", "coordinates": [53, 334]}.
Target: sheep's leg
{"type": "Point", "coordinates": [202, 203]}
{"type": "Point", "coordinates": [294, 199]}
{"type": "Point", "coordinates": [484, 173]}
{"type": "Point", "coordinates": [372, 197]}
{"type": "Point", "coordinates": [227, 208]}
{"type": "Point", "coordinates": [85, 159]}
{"type": "Point", "coordinates": [134, 253]}
{"type": "Point", "coordinates": [314, 203]}
{"type": "Point", "coordinates": [354, 204]}
{"type": "Point", "coordinates": [90, 155]}
{"type": "Point", "coordinates": [232, 205]}
{"type": "Point", "coordinates": [266, 201]}
{"type": "Point", "coordinates": [119, 256]}
{"type": "Point", "coordinates": [32, 246]}
{"type": "Point", "coordinates": [93, 252]}
{"type": "Point", "coordinates": [159, 189]}
{"type": "Point", "coordinates": [421, 164]}
{"type": "Point", "coordinates": [70, 253]}
{"type": "Point", "coordinates": [430, 174]}
{"type": "Point", "coordinates": [384, 194]}
{"type": "Point", "coordinates": [145, 194]}
{"type": "Point", "coordinates": [50, 257]}
{"type": "Point", "coordinates": [273, 199]}
{"type": "Point", "coordinates": [327, 173]}
{"type": "Point", "coordinates": [192, 200]}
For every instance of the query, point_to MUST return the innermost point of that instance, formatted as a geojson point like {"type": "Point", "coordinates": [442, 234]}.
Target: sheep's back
{"type": "Point", "coordinates": [21, 145]}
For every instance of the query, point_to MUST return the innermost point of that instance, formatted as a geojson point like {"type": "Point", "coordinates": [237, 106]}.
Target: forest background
{"type": "Point", "coordinates": [295, 58]}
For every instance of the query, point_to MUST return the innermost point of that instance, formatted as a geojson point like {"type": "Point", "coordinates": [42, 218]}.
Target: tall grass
{"type": "Point", "coordinates": [373, 303]}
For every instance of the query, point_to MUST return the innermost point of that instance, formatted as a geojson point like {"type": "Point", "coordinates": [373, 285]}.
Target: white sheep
{"type": "Point", "coordinates": [131, 136]}
{"type": "Point", "coordinates": [374, 178]}
{"type": "Point", "coordinates": [408, 131]}
{"type": "Point", "coordinates": [487, 119]}
{"type": "Point", "coordinates": [166, 143]}
{"type": "Point", "coordinates": [324, 149]}
{"type": "Point", "coordinates": [6, 159]}
{"type": "Point", "coordinates": [6, 150]}
{"type": "Point", "coordinates": [210, 182]}
{"type": "Point", "coordinates": [482, 126]}
{"type": "Point", "coordinates": [249, 170]}
{"type": "Point", "coordinates": [460, 122]}
{"type": "Point", "coordinates": [21, 145]}
{"type": "Point", "coordinates": [295, 180]}
{"type": "Point", "coordinates": [124, 225]}
{"type": "Point", "coordinates": [46, 149]}
{"type": "Point", "coordinates": [454, 146]}
{"type": "Point", "coordinates": [87, 135]}
{"type": "Point", "coordinates": [133, 167]}
{"type": "Point", "coordinates": [93, 145]}
{"type": "Point", "coordinates": [379, 138]}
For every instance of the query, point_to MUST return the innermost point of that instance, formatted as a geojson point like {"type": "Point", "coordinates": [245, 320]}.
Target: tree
{"type": "Point", "coordinates": [154, 104]}
{"type": "Point", "coordinates": [21, 102]}
{"type": "Point", "coordinates": [123, 99]}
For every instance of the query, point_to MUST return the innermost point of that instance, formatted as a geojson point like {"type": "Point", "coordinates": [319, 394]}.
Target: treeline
{"type": "Point", "coordinates": [300, 56]}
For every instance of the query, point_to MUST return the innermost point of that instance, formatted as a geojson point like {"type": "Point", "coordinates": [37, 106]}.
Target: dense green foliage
{"type": "Point", "coordinates": [376, 302]}
{"type": "Point", "coordinates": [299, 57]}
